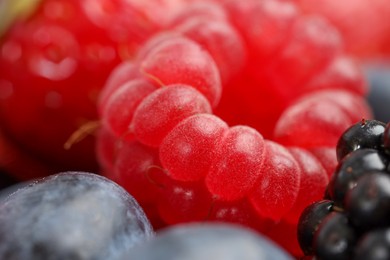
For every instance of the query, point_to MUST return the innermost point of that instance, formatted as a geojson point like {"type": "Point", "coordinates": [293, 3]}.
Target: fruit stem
{"type": "Point", "coordinates": [80, 134]}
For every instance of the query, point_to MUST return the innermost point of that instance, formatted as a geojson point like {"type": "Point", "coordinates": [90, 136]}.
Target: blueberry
{"type": "Point", "coordinates": [365, 134]}
{"type": "Point", "coordinates": [70, 215]}
{"type": "Point", "coordinates": [198, 241]}
{"type": "Point", "coordinates": [378, 76]}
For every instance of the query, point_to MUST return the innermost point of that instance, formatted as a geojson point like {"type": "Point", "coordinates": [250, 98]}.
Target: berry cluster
{"type": "Point", "coordinates": [221, 115]}
{"type": "Point", "coordinates": [353, 218]}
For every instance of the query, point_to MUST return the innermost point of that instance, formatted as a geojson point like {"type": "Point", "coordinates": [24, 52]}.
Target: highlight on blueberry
{"type": "Point", "coordinates": [199, 241]}
{"type": "Point", "coordinates": [70, 215]}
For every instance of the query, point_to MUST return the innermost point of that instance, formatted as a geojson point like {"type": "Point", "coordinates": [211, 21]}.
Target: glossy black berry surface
{"type": "Point", "coordinates": [335, 238]}
{"type": "Point", "coordinates": [374, 245]}
{"type": "Point", "coordinates": [365, 134]}
{"type": "Point", "coordinates": [309, 222]}
{"type": "Point", "coordinates": [358, 225]}
{"type": "Point", "coordinates": [351, 168]}
{"type": "Point", "coordinates": [368, 204]}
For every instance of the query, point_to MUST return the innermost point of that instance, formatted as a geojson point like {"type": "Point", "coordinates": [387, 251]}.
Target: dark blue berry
{"type": "Point", "coordinates": [70, 216]}
{"type": "Point", "coordinates": [309, 222]}
{"type": "Point", "coordinates": [365, 134]}
{"type": "Point", "coordinates": [378, 76]}
{"type": "Point", "coordinates": [203, 241]}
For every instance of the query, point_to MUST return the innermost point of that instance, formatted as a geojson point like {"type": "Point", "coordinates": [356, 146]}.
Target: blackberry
{"type": "Point", "coordinates": [368, 204]}
{"type": "Point", "coordinates": [365, 134]}
{"type": "Point", "coordinates": [354, 165]}
{"type": "Point", "coordinates": [310, 219]}
{"type": "Point", "coordinates": [353, 220]}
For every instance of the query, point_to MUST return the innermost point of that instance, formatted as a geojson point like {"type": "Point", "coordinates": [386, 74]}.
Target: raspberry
{"type": "Point", "coordinates": [160, 111]}
{"type": "Point", "coordinates": [53, 65]}
{"type": "Point", "coordinates": [236, 166]}
{"type": "Point", "coordinates": [218, 37]}
{"type": "Point", "coordinates": [356, 212]}
{"type": "Point", "coordinates": [279, 179]}
{"type": "Point", "coordinates": [130, 95]}
{"type": "Point", "coordinates": [188, 151]}
{"type": "Point", "coordinates": [246, 139]}
{"type": "Point", "coordinates": [181, 60]}
{"type": "Point", "coordinates": [366, 41]}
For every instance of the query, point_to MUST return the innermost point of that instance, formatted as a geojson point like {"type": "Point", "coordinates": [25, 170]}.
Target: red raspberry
{"type": "Point", "coordinates": [53, 65]}
{"type": "Point", "coordinates": [369, 40]}
{"type": "Point", "coordinates": [205, 136]}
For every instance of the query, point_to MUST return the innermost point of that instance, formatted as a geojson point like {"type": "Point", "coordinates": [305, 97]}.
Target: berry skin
{"type": "Point", "coordinates": [58, 215]}
{"type": "Point", "coordinates": [158, 113]}
{"type": "Point", "coordinates": [353, 166]}
{"type": "Point", "coordinates": [374, 245]}
{"type": "Point", "coordinates": [368, 204]}
{"type": "Point", "coordinates": [278, 184]}
{"type": "Point", "coordinates": [366, 134]}
{"type": "Point", "coordinates": [188, 151]}
{"type": "Point", "coordinates": [219, 38]}
{"type": "Point", "coordinates": [181, 60]}
{"type": "Point", "coordinates": [309, 222]}
{"type": "Point", "coordinates": [184, 202]}
{"type": "Point", "coordinates": [367, 41]}
{"type": "Point", "coordinates": [312, 185]}
{"type": "Point", "coordinates": [130, 94]}
{"type": "Point", "coordinates": [198, 241]}
{"type": "Point", "coordinates": [335, 238]}
{"type": "Point", "coordinates": [236, 166]}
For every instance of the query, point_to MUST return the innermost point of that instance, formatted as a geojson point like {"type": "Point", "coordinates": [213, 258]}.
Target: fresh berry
{"type": "Point", "coordinates": [368, 204]}
{"type": "Point", "coordinates": [378, 76]}
{"type": "Point", "coordinates": [54, 62]}
{"type": "Point", "coordinates": [352, 167]}
{"type": "Point", "coordinates": [367, 134]}
{"type": "Point", "coordinates": [309, 223]}
{"type": "Point", "coordinates": [335, 237]}
{"type": "Point", "coordinates": [374, 245]}
{"type": "Point", "coordinates": [56, 217]}
{"type": "Point", "coordinates": [353, 221]}
{"type": "Point", "coordinates": [236, 139]}
{"type": "Point", "coordinates": [199, 241]}
{"type": "Point", "coordinates": [366, 41]}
